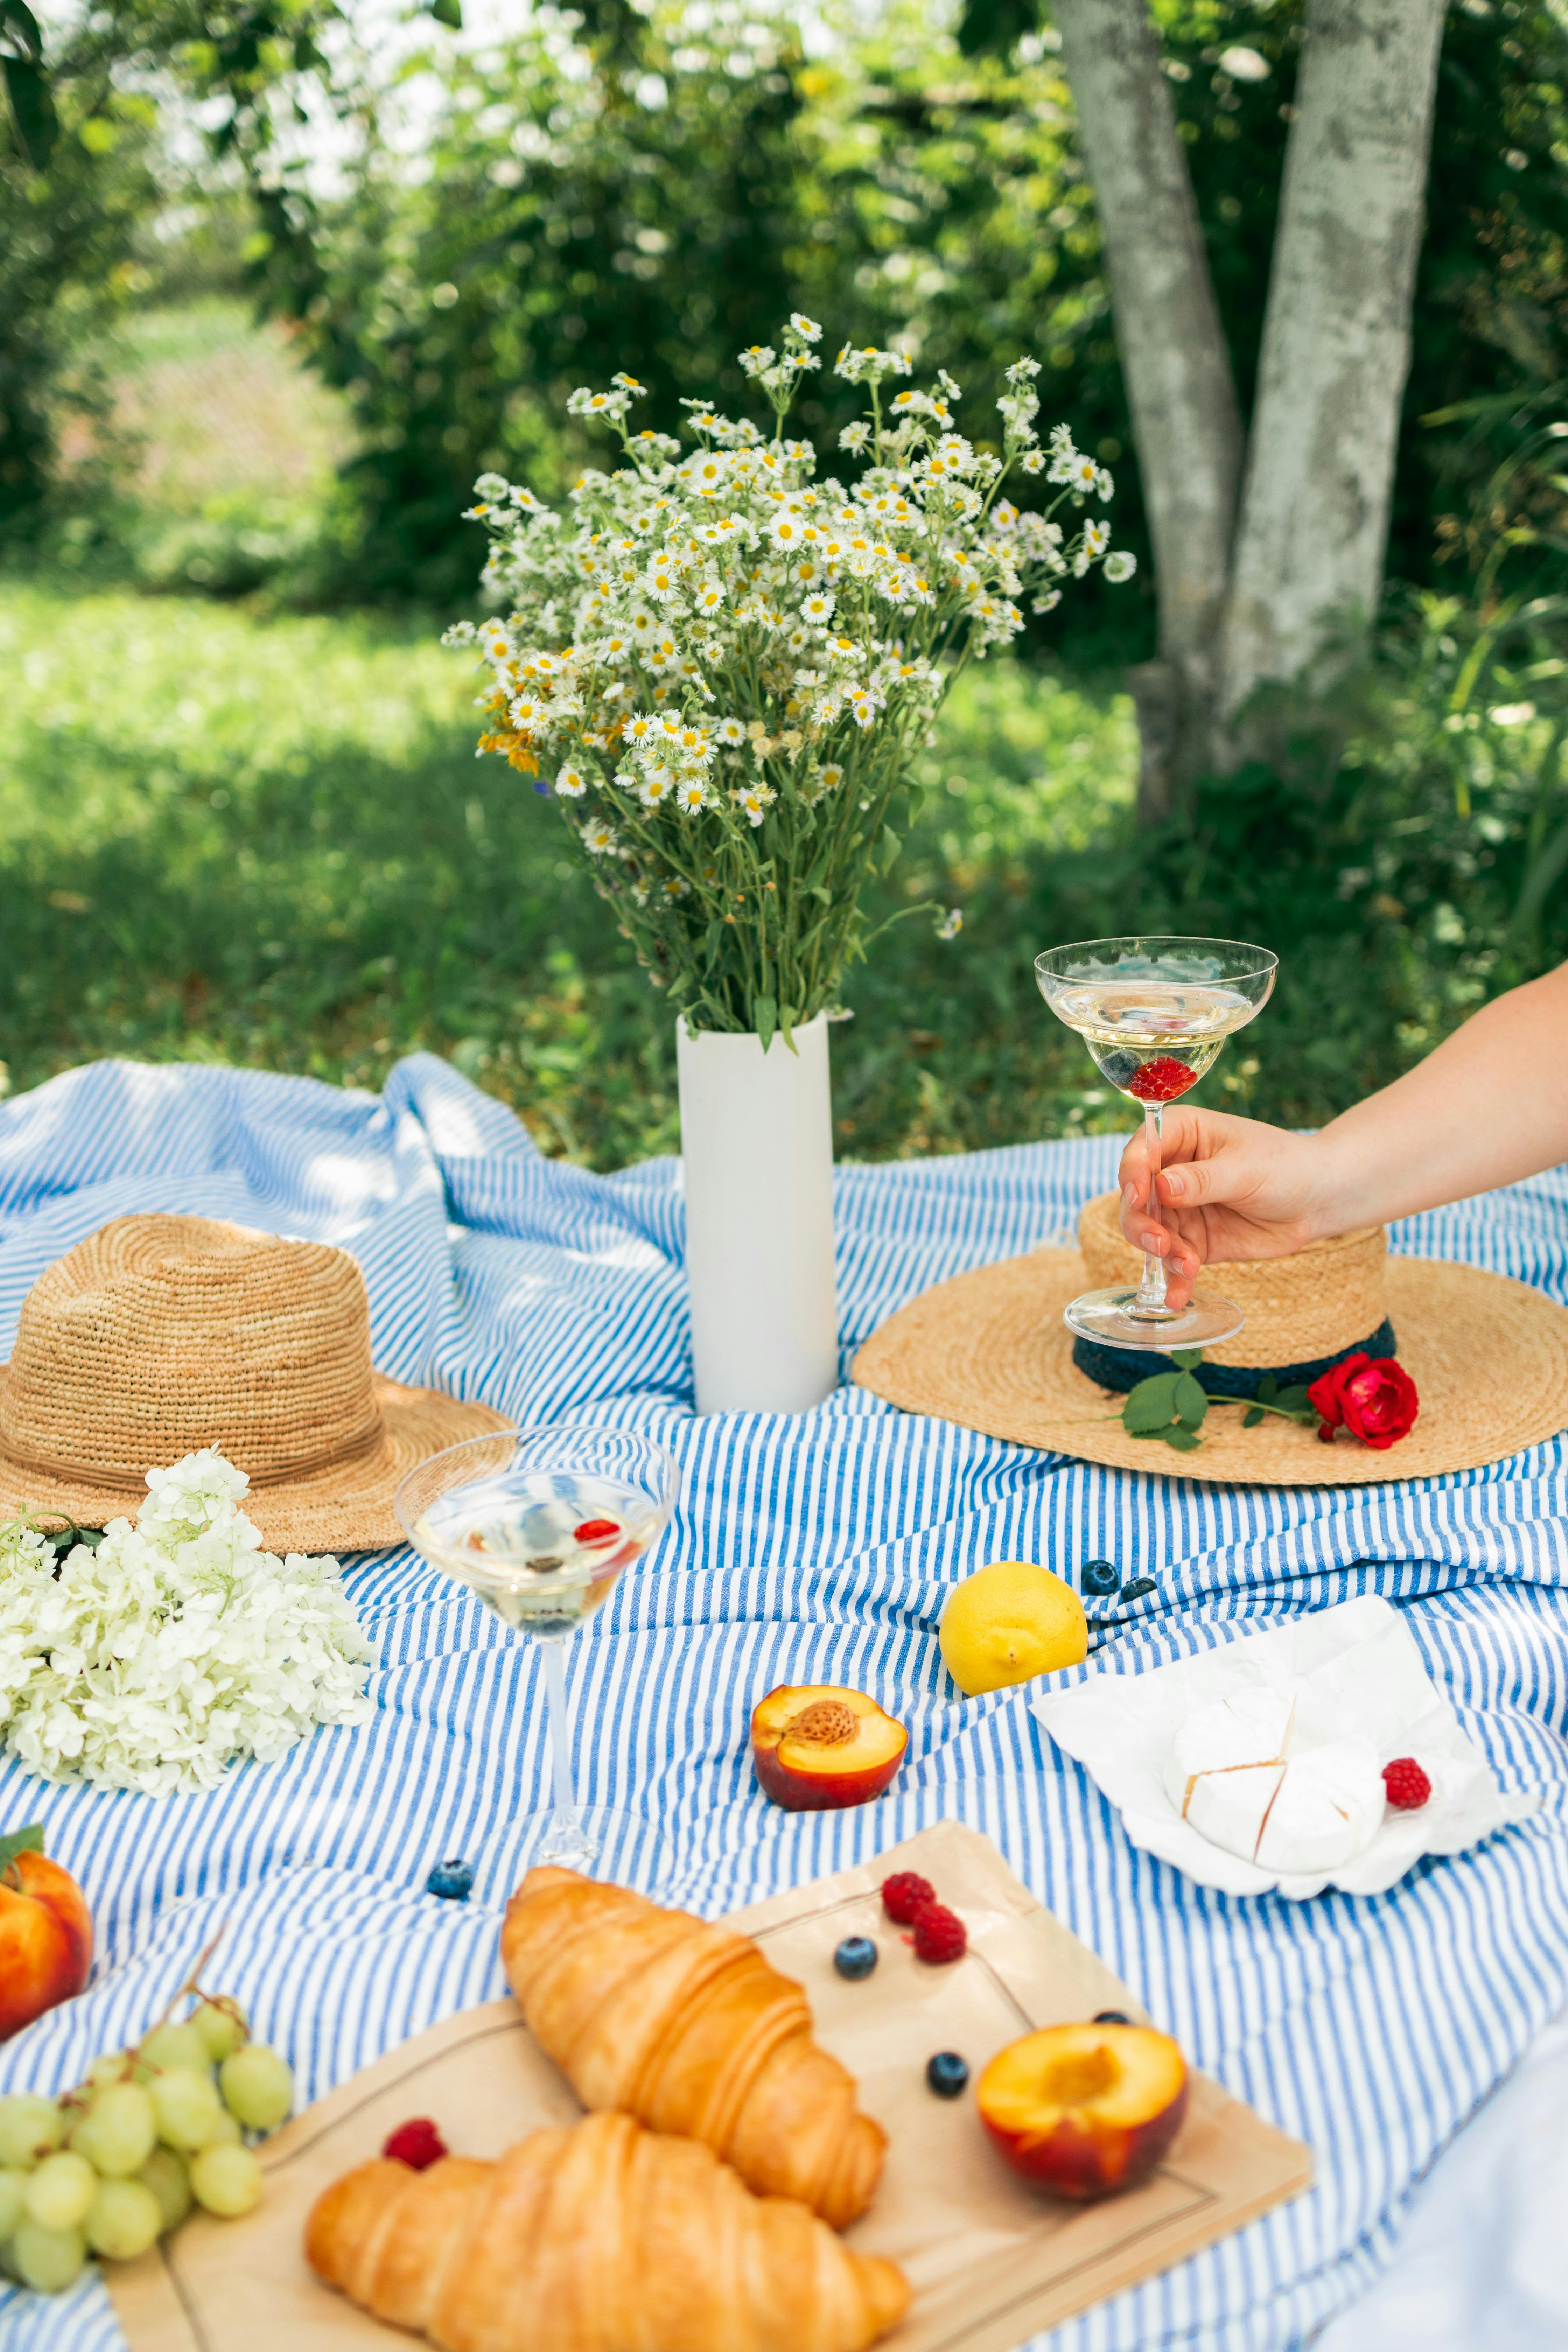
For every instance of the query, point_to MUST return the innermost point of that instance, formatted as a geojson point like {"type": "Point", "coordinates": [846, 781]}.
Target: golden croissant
{"type": "Point", "coordinates": [686, 2026]}
{"type": "Point", "coordinates": [596, 2237]}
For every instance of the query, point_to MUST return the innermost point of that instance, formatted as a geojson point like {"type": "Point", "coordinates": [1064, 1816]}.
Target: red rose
{"type": "Point", "coordinates": [1376, 1400]}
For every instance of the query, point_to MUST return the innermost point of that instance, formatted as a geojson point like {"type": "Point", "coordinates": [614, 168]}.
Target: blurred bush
{"type": "Point", "coordinates": [635, 191]}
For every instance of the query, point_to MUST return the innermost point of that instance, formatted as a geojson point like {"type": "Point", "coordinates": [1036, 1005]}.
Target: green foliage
{"type": "Point", "coordinates": [269, 843]}
{"type": "Point", "coordinates": [66, 238]}
{"type": "Point", "coordinates": [579, 217]}
{"type": "Point", "coordinates": [651, 197]}
{"type": "Point", "coordinates": [81, 177]}
{"type": "Point", "coordinates": [35, 126]}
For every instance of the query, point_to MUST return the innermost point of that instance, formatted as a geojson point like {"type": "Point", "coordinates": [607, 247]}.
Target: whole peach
{"type": "Point", "coordinates": [46, 1940]}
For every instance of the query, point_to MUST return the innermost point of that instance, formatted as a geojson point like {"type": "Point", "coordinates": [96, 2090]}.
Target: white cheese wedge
{"type": "Point", "coordinates": [1248, 1728]}
{"type": "Point", "coordinates": [1328, 1809]}
{"type": "Point", "coordinates": [1230, 1808]}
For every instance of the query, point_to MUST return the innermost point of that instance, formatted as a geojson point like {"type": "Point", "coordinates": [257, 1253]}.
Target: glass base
{"type": "Point", "coordinates": [1108, 1317]}
{"type": "Point", "coordinates": [601, 1842]}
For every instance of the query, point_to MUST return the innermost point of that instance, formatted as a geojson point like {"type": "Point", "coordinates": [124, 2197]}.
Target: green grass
{"type": "Point", "coordinates": [267, 841]}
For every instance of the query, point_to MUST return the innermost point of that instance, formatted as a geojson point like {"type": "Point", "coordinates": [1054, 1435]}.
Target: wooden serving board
{"type": "Point", "coordinates": [991, 2262]}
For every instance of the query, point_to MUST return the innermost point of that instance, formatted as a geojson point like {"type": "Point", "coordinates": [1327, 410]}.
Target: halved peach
{"type": "Point", "coordinates": [1085, 2109]}
{"type": "Point", "coordinates": [815, 1745]}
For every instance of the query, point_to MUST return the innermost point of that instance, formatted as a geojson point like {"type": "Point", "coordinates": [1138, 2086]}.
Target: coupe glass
{"type": "Point", "coordinates": [541, 1524]}
{"type": "Point", "coordinates": [1155, 1013]}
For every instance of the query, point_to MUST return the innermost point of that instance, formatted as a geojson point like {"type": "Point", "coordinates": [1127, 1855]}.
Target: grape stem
{"type": "Point", "coordinates": [190, 1985]}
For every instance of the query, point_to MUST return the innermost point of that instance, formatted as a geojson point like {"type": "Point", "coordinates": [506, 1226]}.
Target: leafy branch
{"type": "Point", "coordinates": [1174, 1406]}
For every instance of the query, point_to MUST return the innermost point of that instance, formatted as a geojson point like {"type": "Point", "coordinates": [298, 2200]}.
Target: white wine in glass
{"type": "Point", "coordinates": [541, 1524]}
{"type": "Point", "coordinates": [1154, 1011]}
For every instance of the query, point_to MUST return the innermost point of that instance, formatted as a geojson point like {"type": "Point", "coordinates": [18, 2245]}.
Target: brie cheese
{"type": "Point", "coordinates": [1328, 1809]}
{"type": "Point", "coordinates": [1230, 1808]}
{"type": "Point", "coordinates": [1250, 1727]}
{"type": "Point", "coordinates": [1234, 1773]}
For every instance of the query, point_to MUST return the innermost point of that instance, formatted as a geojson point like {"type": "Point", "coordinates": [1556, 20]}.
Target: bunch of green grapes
{"type": "Point", "coordinates": [111, 2166]}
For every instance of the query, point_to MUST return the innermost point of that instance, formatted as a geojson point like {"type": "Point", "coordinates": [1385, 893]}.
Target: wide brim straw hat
{"type": "Point", "coordinates": [989, 1350]}
{"type": "Point", "coordinates": [160, 1335]}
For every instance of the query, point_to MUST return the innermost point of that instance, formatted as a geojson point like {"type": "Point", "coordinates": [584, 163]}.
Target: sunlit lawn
{"type": "Point", "coordinates": [268, 841]}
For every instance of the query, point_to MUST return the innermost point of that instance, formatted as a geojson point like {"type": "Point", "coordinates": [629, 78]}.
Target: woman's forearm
{"type": "Point", "coordinates": [1488, 1107]}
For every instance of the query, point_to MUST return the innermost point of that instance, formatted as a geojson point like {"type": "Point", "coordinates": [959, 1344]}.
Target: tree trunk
{"type": "Point", "coordinates": [1313, 531]}
{"type": "Point", "coordinates": [1177, 368]}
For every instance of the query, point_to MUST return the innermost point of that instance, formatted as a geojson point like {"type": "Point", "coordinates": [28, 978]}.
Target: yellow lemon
{"type": "Point", "coordinates": [1008, 1622]}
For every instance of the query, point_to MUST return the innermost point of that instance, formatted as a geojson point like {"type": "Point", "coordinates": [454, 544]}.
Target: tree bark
{"type": "Point", "coordinates": [1313, 528]}
{"type": "Point", "coordinates": [1177, 363]}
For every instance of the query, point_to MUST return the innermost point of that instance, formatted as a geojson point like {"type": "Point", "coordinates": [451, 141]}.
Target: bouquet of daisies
{"type": "Point", "coordinates": [719, 665]}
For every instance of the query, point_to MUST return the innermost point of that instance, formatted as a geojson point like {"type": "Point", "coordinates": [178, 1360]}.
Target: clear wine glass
{"type": "Point", "coordinates": [541, 1524]}
{"type": "Point", "coordinates": [1155, 1013]}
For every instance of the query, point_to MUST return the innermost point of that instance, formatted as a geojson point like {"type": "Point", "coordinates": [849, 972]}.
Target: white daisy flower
{"type": "Point", "coordinates": [731, 731]}
{"type": "Point", "coordinates": [599, 839]}
{"type": "Point", "coordinates": [806, 328]}
{"type": "Point", "coordinates": [754, 801]}
{"type": "Point", "coordinates": [571, 782]}
{"type": "Point", "coordinates": [1120, 566]}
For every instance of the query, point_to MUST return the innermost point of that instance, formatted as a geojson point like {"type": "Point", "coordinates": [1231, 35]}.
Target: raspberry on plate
{"type": "Point", "coordinates": [415, 2143]}
{"type": "Point", "coordinates": [939, 1934]}
{"type": "Point", "coordinates": [904, 1894]}
{"type": "Point", "coordinates": [1406, 1785]}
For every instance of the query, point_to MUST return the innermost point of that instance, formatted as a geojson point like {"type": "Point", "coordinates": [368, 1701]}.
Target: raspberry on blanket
{"type": "Point", "coordinates": [939, 1934]}
{"type": "Point", "coordinates": [905, 1894]}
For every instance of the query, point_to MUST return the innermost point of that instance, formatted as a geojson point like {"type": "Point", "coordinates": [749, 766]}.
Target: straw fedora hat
{"type": "Point", "coordinates": [989, 1349]}
{"type": "Point", "coordinates": [159, 1335]}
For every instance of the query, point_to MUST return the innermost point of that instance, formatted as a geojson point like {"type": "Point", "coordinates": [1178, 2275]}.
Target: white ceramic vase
{"type": "Point", "coordinates": [756, 1143]}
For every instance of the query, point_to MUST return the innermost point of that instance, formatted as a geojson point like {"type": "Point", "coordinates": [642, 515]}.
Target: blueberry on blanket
{"type": "Point", "coordinates": [1100, 1576]}
{"type": "Point", "coordinates": [453, 1881]}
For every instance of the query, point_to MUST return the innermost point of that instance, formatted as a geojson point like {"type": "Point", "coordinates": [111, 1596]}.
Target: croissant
{"type": "Point", "coordinates": [686, 2026]}
{"type": "Point", "coordinates": [596, 2237]}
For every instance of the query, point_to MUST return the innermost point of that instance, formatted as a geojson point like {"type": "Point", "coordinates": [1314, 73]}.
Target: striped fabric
{"type": "Point", "coordinates": [819, 1549]}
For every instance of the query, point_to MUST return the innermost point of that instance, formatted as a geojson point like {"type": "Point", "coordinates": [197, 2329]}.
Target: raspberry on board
{"type": "Point", "coordinates": [904, 1894]}
{"type": "Point", "coordinates": [417, 2144]}
{"type": "Point", "coordinates": [1406, 1785]}
{"type": "Point", "coordinates": [939, 1934]}
{"type": "Point", "coordinates": [1161, 1080]}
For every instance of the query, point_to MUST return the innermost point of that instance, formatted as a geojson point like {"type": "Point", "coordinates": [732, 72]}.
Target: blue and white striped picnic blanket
{"type": "Point", "coordinates": [813, 1549]}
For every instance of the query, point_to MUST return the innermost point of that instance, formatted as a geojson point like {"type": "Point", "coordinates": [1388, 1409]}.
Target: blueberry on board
{"type": "Point", "coordinates": [947, 2073]}
{"type": "Point", "coordinates": [1138, 1587]}
{"type": "Point", "coordinates": [1100, 1576]}
{"type": "Point", "coordinates": [453, 1881]}
{"type": "Point", "coordinates": [855, 1957]}
{"type": "Point", "coordinates": [1111, 2017]}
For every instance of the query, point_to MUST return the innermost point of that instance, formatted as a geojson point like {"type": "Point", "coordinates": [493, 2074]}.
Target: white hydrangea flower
{"type": "Point", "coordinates": [174, 1648]}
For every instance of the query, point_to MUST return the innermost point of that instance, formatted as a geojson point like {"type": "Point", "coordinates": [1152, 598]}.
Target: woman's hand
{"type": "Point", "coordinates": [1228, 1187]}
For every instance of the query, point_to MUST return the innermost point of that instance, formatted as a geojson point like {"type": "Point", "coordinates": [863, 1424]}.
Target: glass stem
{"type": "Point", "coordinates": [1150, 1298]}
{"type": "Point", "coordinates": [565, 1829]}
